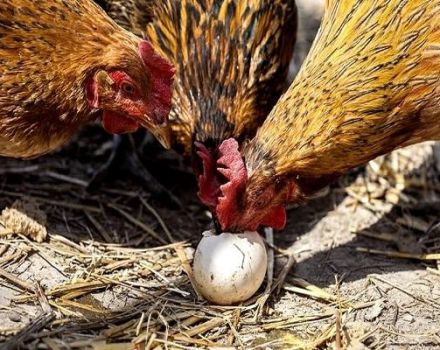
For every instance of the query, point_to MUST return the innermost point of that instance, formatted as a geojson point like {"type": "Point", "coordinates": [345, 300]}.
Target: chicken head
{"type": "Point", "coordinates": [222, 187]}
{"type": "Point", "coordinates": [130, 98]}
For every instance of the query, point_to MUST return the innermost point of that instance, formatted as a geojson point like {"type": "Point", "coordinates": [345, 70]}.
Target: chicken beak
{"type": "Point", "coordinates": [162, 134]}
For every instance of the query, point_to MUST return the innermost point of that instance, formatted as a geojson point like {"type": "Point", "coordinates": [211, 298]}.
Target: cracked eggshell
{"type": "Point", "coordinates": [230, 267]}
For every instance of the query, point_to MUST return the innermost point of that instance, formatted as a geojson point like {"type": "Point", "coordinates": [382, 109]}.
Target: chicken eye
{"type": "Point", "coordinates": [128, 88]}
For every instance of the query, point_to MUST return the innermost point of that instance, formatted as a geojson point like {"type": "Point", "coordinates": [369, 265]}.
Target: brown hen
{"type": "Point", "coordinates": [370, 84]}
{"type": "Point", "coordinates": [65, 63]}
{"type": "Point", "coordinates": [231, 59]}
{"type": "Point", "coordinates": [125, 159]}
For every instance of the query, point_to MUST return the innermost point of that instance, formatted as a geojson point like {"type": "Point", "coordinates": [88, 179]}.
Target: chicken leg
{"type": "Point", "coordinates": [125, 158]}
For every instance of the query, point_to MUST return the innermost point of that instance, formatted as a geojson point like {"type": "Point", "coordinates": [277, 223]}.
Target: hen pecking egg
{"type": "Point", "coordinates": [230, 267]}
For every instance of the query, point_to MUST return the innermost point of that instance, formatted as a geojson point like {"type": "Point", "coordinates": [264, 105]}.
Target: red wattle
{"type": "Point", "coordinates": [276, 218]}
{"type": "Point", "coordinates": [115, 123]}
{"type": "Point", "coordinates": [208, 183]}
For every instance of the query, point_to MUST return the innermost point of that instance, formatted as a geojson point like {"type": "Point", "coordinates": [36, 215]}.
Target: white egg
{"type": "Point", "coordinates": [230, 267]}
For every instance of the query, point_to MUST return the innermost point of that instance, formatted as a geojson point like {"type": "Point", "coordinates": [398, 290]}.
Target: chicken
{"type": "Point", "coordinates": [370, 84]}
{"type": "Point", "coordinates": [64, 64]}
{"type": "Point", "coordinates": [231, 59]}
{"type": "Point", "coordinates": [124, 160]}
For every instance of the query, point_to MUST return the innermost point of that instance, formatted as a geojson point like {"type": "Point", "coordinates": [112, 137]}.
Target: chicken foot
{"type": "Point", "coordinates": [125, 158]}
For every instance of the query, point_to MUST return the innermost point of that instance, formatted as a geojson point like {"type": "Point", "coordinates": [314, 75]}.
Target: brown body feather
{"type": "Point", "coordinates": [48, 49]}
{"type": "Point", "coordinates": [370, 84]}
{"type": "Point", "coordinates": [133, 15]}
{"type": "Point", "coordinates": [231, 58]}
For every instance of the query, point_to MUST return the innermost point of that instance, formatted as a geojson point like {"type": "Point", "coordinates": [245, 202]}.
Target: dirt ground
{"type": "Point", "coordinates": [110, 275]}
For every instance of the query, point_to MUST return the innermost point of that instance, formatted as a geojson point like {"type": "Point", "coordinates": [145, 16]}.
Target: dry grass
{"type": "Point", "coordinates": [164, 309]}
{"type": "Point", "coordinates": [119, 277]}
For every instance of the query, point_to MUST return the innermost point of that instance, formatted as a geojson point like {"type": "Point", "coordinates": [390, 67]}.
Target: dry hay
{"type": "Point", "coordinates": [116, 297]}
{"type": "Point", "coordinates": [114, 273]}
{"type": "Point", "coordinates": [25, 217]}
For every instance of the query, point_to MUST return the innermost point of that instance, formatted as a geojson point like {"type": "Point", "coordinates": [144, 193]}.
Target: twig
{"type": "Point", "coordinates": [283, 275]}
{"type": "Point", "coordinates": [42, 298]}
{"type": "Point", "coordinates": [434, 271]}
{"type": "Point", "coordinates": [338, 342]}
{"type": "Point", "coordinates": [159, 219]}
{"type": "Point", "coordinates": [268, 231]}
{"type": "Point", "coordinates": [181, 254]}
{"type": "Point", "coordinates": [205, 327]}
{"type": "Point", "coordinates": [17, 281]}
{"type": "Point", "coordinates": [99, 227]}
{"type": "Point", "coordinates": [3, 248]}
{"type": "Point", "coordinates": [429, 302]}
{"type": "Point", "coordinates": [400, 255]}
{"type": "Point", "coordinates": [139, 324]}
{"type": "Point", "coordinates": [86, 307]}
{"type": "Point", "coordinates": [53, 202]}
{"type": "Point", "coordinates": [387, 237]}
{"type": "Point", "coordinates": [70, 243]}
{"type": "Point", "coordinates": [189, 340]}
{"type": "Point", "coordinates": [233, 325]}
{"type": "Point", "coordinates": [139, 224]}
{"type": "Point", "coordinates": [261, 301]}
{"type": "Point", "coordinates": [66, 178]}
{"type": "Point", "coordinates": [8, 258]}
{"type": "Point", "coordinates": [21, 170]}
{"type": "Point", "coordinates": [303, 287]}
{"type": "Point", "coordinates": [68, 205]}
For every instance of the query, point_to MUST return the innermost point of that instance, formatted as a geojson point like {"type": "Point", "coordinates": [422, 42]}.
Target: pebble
{"type": "Point", "coordinates": [408, 318]}
{"type": "Point", "coordinates": [14, 317]}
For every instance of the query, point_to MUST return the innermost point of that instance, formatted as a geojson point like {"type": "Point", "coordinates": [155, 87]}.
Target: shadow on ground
{"type": "Point", "coordinates": [329, 246]}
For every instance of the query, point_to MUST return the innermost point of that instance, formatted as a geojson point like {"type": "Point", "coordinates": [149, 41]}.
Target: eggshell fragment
{"type": "Point", "coordinates": [230, 267]}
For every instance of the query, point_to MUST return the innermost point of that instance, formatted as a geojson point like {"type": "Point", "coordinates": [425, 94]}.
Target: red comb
{"type": "Point", "coordinates": [236, 174]}
{"type": "Point", "coordinates": [155, 61]}
{"type": "Point", "coordinates": [162, 76]}
{"type": "Point", "coordinates": [208, 182]}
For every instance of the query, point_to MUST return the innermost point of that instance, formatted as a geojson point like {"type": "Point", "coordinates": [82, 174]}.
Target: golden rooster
{"type": "Point", "coordinates": [64, 64]}
{"type": "Point", "coordinates": [370, 84]}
